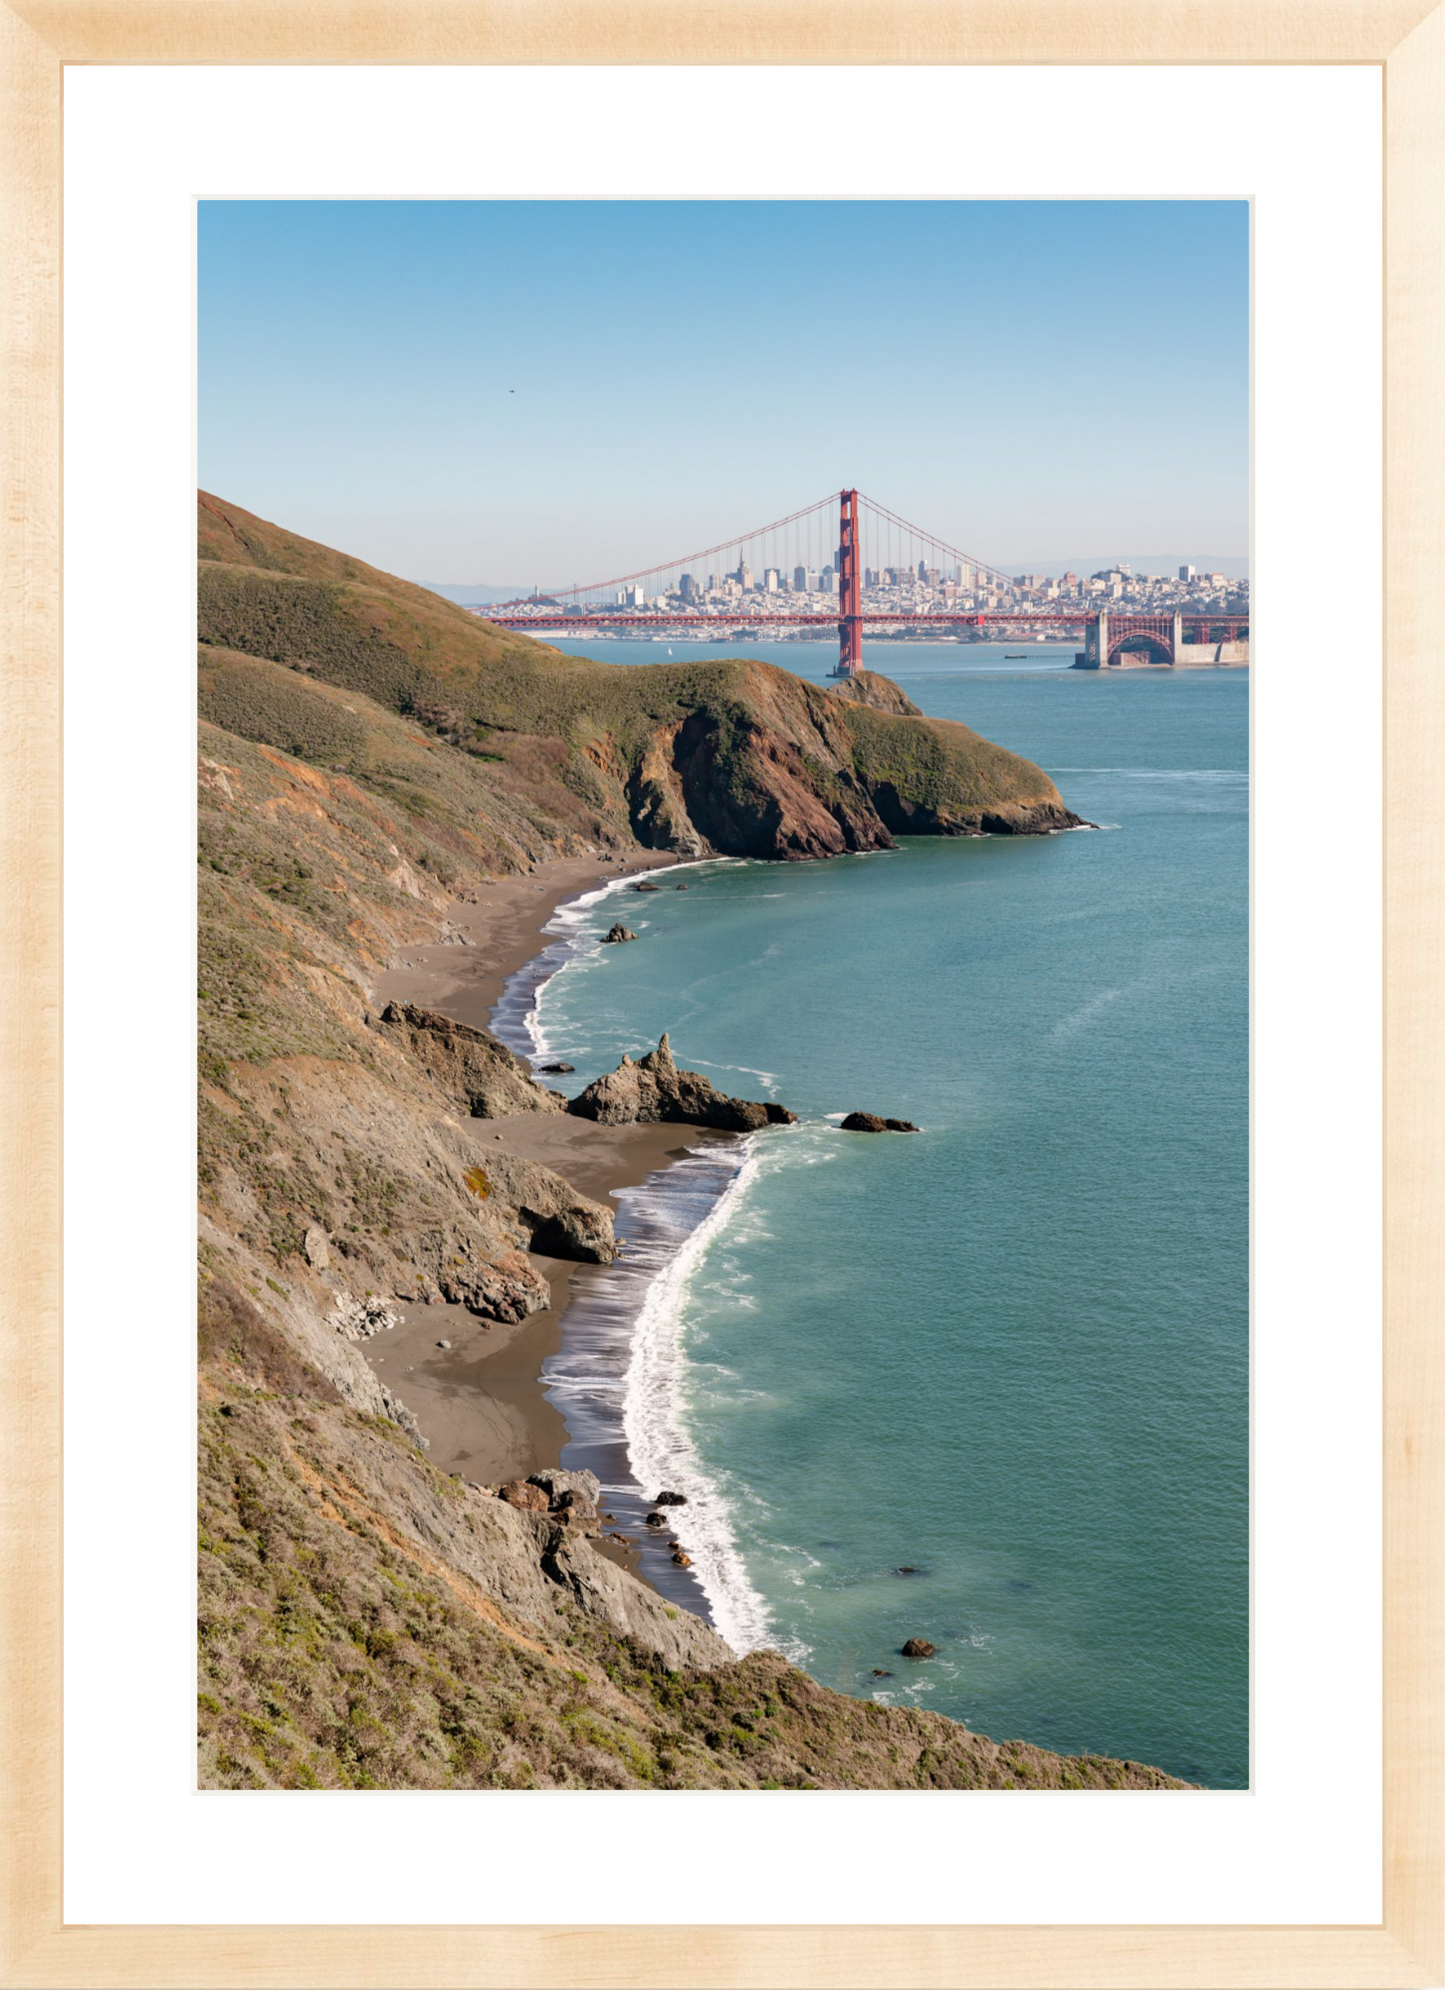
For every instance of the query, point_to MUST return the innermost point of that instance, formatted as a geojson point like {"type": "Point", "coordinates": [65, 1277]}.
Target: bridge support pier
{"type": "Point", "coordinates": [1096, 644]}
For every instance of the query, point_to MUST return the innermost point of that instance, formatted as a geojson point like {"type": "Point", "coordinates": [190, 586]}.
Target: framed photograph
{"type": "Point", "coordinates": [750, 1109]}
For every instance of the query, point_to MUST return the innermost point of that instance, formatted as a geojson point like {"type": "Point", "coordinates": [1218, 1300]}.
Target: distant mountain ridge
{"type": "Point", "coordinates": [467, 593]}
{"type": "Point", "coordinates": [1234, 566]}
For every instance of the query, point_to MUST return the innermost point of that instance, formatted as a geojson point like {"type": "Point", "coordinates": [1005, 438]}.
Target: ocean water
{"type": "Point", "coordinates": [1010, 1353]}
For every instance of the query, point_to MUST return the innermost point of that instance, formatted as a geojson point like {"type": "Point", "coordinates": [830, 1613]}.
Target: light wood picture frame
{"type": "Point", "coordinates": [1406, 38]}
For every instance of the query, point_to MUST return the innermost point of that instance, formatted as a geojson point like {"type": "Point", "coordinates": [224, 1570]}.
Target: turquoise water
{"type": "Point", "coordinates": [1011, 1352]}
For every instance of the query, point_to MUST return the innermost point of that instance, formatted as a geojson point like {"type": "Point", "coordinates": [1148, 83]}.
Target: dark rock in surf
{"type": "Point", "coordinates": [654, 1090]}
{"type": "Point", "coordinates": [646, 886]}
{"type": "Point", "coordinates": [655, 1520]}
{"type": "Point", "coordinates": [919, 1648]}
{"type": "Point", "coordinates": [869, 1122]}
{"type": "Point", "coordinates": [559, 1067]}
{"type": "Point", "coordinates": [617, 935]}
{"type": "Point", "coordinates": [670, 1499]}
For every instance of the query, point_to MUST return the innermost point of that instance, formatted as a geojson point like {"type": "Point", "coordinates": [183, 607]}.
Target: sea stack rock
{"type": "Point", "coordinates": [647, 885]}
{"type": "Point", "coordinates": [618, 933]}
{"type": "Point", "coordinates": [869, 1122]}
{"type": "Point", "coordinates": [919, 1648]}
{"type": "Point", "coordinates": [654, 1090]}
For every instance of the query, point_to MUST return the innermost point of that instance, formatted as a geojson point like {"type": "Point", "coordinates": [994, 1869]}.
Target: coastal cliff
{"type": "Point", "coordinates": [372, 761]}
{"type": "Point", "coordinates": [736, 757]}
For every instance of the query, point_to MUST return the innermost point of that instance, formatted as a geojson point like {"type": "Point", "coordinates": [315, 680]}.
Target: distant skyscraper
{"type": "Point", "coordinates": [828, 581]}
{"type": "Point", "coordinates": [1186, 573]}
{"type": "Point", "coordinates": [687, 590]}
{"type": "Point", "coordinates": [770, 581]}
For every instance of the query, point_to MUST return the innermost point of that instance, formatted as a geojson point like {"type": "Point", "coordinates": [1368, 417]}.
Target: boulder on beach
{"type": "Point", "coordinates": [670, 1499]}
{"type": "Point", "coordinates": [684, 1561]}
{"type": "Point", "coordinates": [869, 1122]}
{"type": "Point", "coordinates": [554, 1480]}
{"type": "Point", "coordinates": [646, 885]}
{"type": "Point", "coordinates": [655, 1520]}
{"type": "Point", "coordinates": [617, 935]}
{"type": "Point", "coordinates": [654, 1090]}
{"type": "Point", "coordinates": [919, 1648]}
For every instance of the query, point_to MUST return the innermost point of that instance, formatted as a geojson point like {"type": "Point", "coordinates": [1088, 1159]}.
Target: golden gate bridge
{"type": "Point", "coordinates": [851, 564]}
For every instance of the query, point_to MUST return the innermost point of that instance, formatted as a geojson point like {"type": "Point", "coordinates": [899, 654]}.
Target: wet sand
{"type": "Point", "coordinates": [479, 1401]}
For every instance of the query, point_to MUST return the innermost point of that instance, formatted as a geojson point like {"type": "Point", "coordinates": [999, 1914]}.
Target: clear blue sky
{"type": "Point", "coordinates": [1028, 380]}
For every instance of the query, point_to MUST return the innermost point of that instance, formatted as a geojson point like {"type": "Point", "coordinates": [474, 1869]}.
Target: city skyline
{"type": "Point", "coordinates": [513, 393]}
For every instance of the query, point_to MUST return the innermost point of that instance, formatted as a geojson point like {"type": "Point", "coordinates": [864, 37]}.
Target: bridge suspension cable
{"type": "Point", "coordinates": [797, 559]}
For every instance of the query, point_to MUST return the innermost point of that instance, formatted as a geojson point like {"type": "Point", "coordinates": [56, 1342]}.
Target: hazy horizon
{"type": "Point", "coordinates": [567, 390]}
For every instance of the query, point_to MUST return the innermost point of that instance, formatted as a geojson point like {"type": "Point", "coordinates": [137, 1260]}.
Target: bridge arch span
{"type": "Point", "coordinates": [1159, 648]}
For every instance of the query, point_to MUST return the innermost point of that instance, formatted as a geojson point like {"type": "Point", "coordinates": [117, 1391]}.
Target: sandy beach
{"type": "Point", "coordinates": [479, 1400]}
{"type": "Point", "coordinates": [502, 924]}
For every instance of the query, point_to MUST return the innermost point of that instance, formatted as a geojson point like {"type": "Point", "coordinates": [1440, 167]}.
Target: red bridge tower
{"type": "Point", "coordinates": [850, 590]}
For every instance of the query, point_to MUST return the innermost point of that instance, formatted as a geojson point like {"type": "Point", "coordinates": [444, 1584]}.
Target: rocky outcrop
{"type": "Point", "coordinates": [554, 1217]}
{"type": "Point", "coordinates": [767, 781]}
{"type": "Point", "coordinates": [506, 1288]}
{"type": "Point", "coordinates": [880, 693]}
{"type": "Point", "coordinates": [919, 1648]}
{"type": "Point", "coordinates": [569, 1497]}
{"type": "Point", "coordinates": [471, 1066]}
{"type": "Point", "coordinates": [614, 937]}
{"type": "Point", "coordinates": [654, 1089]}
{"type": "Point", "coordinates": [869, 1122]}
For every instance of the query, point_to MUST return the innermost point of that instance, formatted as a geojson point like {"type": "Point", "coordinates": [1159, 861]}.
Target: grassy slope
{"type": "Point", "coordinates": [346, 1642]}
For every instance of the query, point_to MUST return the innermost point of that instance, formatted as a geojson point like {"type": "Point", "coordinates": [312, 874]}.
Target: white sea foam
{"type": "Point", "coordinates": [661, 1451]}
{"type": "Point", "coordinates": [623, 1365]}
{"type": "Point", "coordinates": [517, 1018]}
